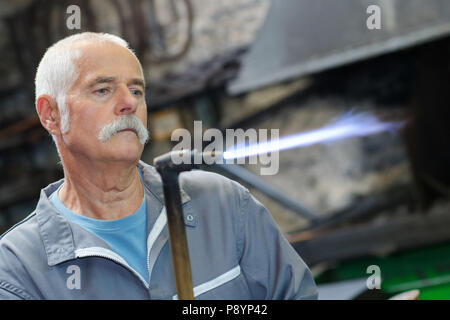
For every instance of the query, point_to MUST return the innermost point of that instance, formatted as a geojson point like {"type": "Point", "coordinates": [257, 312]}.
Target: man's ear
{"type": "Point", "coordinates": [48, 112]}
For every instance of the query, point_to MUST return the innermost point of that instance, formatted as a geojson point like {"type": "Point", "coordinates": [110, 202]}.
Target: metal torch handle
{"type": "Point", "coordinates": [177, 235]}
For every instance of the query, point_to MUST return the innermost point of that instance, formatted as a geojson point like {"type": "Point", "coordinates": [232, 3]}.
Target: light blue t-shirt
{"type": "Point", "coordinates": [126, 236]}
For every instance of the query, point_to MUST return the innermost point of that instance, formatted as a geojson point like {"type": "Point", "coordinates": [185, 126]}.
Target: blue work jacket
{"type": "Point", "coordinates": [236, 250]}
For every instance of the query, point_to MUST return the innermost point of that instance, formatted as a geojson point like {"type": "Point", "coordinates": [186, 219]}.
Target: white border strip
{"type": "Point", "coordinates": [214, 283]}
{"type": "Point", "coordinates": [156, 230]}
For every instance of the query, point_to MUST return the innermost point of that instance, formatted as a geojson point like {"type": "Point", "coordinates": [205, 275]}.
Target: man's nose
{"type": "Point", "coordinates": [126, 102]}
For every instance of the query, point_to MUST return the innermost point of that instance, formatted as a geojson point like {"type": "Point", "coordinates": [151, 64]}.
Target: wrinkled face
{"type": "Point", "coordinates": [110, 85]}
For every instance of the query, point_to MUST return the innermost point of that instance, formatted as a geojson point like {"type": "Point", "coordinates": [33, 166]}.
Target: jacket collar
{"type": "Point", "coordinates": [61, 239]}
{"type": "Point", "coordinates": [153, 182]}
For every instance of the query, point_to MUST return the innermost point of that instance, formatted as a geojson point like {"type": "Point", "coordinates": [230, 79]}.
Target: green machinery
{"type": "Point", "coordinates": [426, 269]}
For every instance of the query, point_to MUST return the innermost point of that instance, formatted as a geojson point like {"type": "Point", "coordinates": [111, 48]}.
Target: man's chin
{"type": "Point", "coordinates": [129, 152]}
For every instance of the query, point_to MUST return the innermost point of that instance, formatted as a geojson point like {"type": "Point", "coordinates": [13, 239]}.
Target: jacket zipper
{"type": "Point", "coordinates": [158, 227]}
{"type": "Point", "coordinates": [108, 254]}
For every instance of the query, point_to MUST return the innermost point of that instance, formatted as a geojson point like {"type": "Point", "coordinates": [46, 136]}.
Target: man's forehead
{"type": "Point", "coordinates": [106, 59]}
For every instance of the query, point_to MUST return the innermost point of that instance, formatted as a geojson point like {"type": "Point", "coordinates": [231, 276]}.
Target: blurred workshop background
{"type": "Point", "coordinates": [361, 211]}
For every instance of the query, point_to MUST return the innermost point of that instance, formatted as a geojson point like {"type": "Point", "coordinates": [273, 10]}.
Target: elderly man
{"type": "Point", "coordinates": [101, 232]}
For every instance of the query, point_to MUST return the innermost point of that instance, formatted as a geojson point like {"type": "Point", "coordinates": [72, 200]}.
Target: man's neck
{"type": "Point", "coordinates": [105, 191]}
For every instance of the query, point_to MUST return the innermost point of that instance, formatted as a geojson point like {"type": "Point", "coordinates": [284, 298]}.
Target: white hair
{"type": "Point", "coordinates": [57, 71]}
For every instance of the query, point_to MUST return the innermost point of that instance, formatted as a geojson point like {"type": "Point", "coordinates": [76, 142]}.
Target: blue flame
{"type": "Point", "coordinates": [348, 126]}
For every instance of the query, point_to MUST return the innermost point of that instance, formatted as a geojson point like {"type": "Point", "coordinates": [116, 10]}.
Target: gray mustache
{"type": "Point", "coordinates": [129, 121]}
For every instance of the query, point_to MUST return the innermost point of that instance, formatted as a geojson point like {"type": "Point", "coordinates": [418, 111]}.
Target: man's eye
{"type": "Point", "coordinates": [101, 91]}
{"type": "Point", "coordinates": [136, 92]}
